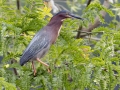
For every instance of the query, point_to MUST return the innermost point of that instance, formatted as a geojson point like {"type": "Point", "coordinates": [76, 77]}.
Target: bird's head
{"type": "Point", "coordinates": [61, 16]}
{"type": "Point", "coordinates": [65, 14]}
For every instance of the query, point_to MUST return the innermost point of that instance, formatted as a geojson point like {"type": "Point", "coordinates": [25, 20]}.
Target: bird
{"type": "Point", "coordinates": [44, 38]}
{"type": "Point", "coordinates": [51, 4]}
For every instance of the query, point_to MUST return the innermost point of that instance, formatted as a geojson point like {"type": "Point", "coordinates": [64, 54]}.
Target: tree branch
{"type": "Point", "coordinates": [18, 4]}
{"type": "Point", "coordinates": [14, 69]}
{"type": "Point", "coordinates": [91, 26]}
{"type": "Point", "coordinates": [89, 1]}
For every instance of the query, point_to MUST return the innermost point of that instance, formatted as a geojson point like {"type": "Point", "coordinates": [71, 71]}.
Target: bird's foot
{"type": "Point", "coordinates": [49, 70]}
{"type": "Point", "coordinates": [35, 72]}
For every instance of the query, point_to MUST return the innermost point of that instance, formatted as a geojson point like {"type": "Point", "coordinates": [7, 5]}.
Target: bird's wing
{"type": "Point", "coordinates": [38, 43]}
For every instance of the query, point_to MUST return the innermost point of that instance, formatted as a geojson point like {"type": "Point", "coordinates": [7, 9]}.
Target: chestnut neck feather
{"type": "Point", "coordinates": [54, 27]}
{"type": "Point", "coordinates": [55, 24]}
{"type": "Point", "coordinates": [55, 20]}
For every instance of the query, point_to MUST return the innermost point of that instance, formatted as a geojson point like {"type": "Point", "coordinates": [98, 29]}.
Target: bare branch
{"type": "Point", "coordinates": [14, 69]}
{"type": "Point", "coordinates": [89, 1]}
{"type": "Point", "coordinates": [91, 26]}
{"type": "Point", "coordinates": [18, 4]}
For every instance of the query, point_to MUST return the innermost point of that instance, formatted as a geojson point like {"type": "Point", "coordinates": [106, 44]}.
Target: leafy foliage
{"type": "Point", "coordinates": [5, 85]}
{"type": "Point", "coordinates": [74, 63]}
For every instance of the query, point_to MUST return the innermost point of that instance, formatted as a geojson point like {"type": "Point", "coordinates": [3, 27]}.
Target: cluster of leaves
{"type": "Point", "coordinates": [6, 85]}
{"type": "Point", "coordinates": [74, 64]}
{"type": "Point", "coordinates": [75, 5]}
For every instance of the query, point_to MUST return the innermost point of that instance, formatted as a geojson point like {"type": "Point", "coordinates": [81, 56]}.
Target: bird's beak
{"type": "Point", "coordinates": [74, 16]}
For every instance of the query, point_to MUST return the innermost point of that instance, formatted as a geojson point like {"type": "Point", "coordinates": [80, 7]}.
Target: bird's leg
{"type": "Point", "coordinates": [33, 67]}
{"type": "Point", "coordinates": [44, 64]}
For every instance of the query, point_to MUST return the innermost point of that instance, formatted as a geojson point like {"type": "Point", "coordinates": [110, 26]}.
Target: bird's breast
{"type": "Point", "coordinates": [55, 34]}
{"type": "Point", "coordinates": [59, 31]}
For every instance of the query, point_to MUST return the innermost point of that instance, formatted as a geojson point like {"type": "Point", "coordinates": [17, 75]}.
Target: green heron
{"type": "Point", "coordinates": [51, 4]}
{"type": "Point", "coordinates": [42, 41]}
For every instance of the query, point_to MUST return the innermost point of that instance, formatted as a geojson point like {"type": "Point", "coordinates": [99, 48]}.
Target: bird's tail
{"type": "Point", "coordinates": [23, 60]}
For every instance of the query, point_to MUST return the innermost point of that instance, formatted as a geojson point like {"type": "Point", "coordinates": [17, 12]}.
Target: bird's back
{"type": "Point", "coordinates": [37, 48]}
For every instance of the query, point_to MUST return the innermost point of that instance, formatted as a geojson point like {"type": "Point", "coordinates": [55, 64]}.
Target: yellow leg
{"type": "Point", "coordinates": [44, 64]}
{"type": "Point", "coordinates": [33, 67]}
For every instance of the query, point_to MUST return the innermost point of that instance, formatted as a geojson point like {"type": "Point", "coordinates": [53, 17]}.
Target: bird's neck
{"type": "Point", "coordinates": [54, 27]}
{"type": "Point", "coordinates": [56, 22]}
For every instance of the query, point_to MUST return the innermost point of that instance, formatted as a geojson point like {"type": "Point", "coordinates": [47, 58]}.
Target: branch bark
{"type": "Point", "coordinates": [18, 4]}
{"type": "Point", "coordinates": [89, 1]}
{"type": "Point", "coordinates": [14, 69]}
{"type": "Point", "coordinates": [91, 26]}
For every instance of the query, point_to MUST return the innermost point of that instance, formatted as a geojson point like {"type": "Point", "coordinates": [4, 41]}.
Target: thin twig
{"type": "Point", "coordinates": [14, 69]}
